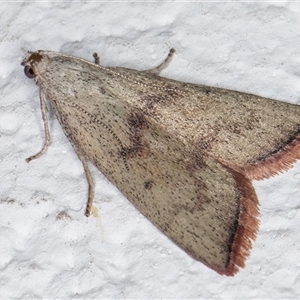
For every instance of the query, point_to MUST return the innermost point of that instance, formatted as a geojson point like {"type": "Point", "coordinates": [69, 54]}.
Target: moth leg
{"type": "Point", "coordinates": [164, 64]}
{"type": "Point", "coordinates": [90, 181]}
{"type": "Point", "coordinates": [96, 58]}
{"type": "Point", "coordinates": [46, 130]}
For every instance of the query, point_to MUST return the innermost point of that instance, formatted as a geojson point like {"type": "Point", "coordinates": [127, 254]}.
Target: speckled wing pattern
{"type": "Point", "coordinates": [183, 154]}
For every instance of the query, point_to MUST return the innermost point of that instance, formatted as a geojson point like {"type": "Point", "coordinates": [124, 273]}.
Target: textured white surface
{"type": "Point", "coordinates": [48, 249]}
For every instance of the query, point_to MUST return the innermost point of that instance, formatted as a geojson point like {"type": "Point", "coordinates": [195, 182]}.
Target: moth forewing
{"type": "Point", "coordinates": [183, 154]}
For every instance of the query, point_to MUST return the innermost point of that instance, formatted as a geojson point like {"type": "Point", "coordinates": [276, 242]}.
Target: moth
{"type": "Point", "coordinates": [183, 154]}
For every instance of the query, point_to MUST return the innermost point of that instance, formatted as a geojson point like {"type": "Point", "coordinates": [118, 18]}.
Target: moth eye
{"type": "Point", "coordinates": [29, 72]}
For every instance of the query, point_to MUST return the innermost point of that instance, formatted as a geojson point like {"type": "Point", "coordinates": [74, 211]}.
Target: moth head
{"type": "Point", "coordinates": [30, 63]}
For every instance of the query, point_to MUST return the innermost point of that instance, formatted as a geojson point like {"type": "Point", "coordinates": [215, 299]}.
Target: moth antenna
{"type": "Point", "coordinates": [107, 128]}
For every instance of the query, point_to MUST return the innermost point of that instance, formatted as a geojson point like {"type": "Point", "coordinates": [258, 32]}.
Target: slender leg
{"type": "Point", "coordinates": [164, 64]}
{"type": "Point", "coordinates": [46, 129]}
{"type": "Point", "coordinates": [96, 58]}
{"type": "Point", "coordinates": [156, 70]}
{"type": "Point", "coordinates": [90, 181]}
